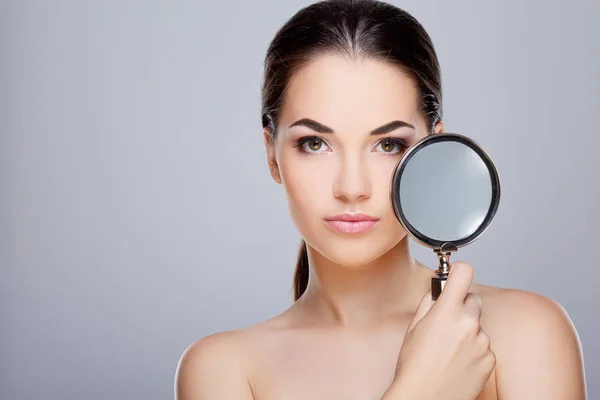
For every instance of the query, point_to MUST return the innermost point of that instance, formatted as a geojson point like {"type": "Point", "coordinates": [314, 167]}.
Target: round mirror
{"type": "Point", "coordinates": [445, 190]}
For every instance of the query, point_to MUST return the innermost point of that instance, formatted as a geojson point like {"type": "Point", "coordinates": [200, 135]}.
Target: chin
{"type": "Point", "coordinates": [356, 251]}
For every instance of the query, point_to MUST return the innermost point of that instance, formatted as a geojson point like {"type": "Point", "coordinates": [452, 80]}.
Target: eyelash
{"type": "Point", "coordinates": [304, 140]}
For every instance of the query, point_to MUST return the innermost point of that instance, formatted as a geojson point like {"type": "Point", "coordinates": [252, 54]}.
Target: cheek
{"type": "Point", "coordinates": [381, 171]}
{"type": "Point", "coordinates": [308, 182]}
{"type": "Point", "coordinates": [381, 176]}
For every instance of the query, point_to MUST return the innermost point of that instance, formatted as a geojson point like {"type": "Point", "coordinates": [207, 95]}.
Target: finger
{"type": "Point", "coordinates": [457, 285]}
{"type": "Point", "coordinates": [422, 309]}
{"type": "Point", "coordinates": [473, 304]}
{"type": "Point", "coordinates": [484, 340]}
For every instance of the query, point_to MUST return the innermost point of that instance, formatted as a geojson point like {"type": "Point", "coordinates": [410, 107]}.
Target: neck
{"type": "Point", "coordinates": [388, 287]}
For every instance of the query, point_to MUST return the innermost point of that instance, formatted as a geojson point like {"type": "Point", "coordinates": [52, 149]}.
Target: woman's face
{"type": "Point", "coordinates": [343, 127]}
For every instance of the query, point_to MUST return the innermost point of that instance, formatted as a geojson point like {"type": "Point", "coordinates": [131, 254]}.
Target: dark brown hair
{"type": "Point", "coordinates": [353, 28]}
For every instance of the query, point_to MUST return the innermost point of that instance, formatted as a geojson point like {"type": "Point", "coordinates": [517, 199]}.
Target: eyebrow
{"type": "Point", "coordinates": [318, 127]}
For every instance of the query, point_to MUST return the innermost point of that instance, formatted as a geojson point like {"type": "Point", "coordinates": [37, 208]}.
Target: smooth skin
{"type": "Point", "coordinates": [365, 329]}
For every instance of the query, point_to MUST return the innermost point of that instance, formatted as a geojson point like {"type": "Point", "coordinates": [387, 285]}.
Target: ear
{"type": "Point", "coordinates": [271, 159]}
{"type": "Point", "coordinates": [439, 128]}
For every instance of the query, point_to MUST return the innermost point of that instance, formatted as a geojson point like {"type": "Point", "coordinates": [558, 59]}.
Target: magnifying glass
{"type": "Point", "coordinates": [445, 192]}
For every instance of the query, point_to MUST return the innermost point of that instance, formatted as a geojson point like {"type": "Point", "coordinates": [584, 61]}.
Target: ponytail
{"type": "Point", "coordinates": [301, 274]}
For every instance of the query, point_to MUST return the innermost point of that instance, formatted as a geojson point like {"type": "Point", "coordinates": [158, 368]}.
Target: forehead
{"type": "Point", "coordinates": [360, 93]}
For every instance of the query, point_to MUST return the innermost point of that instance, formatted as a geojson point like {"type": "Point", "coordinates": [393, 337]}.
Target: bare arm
{"type": "Point", "coordinates": [213, 368]}
{"type": "Point", "coordinates": [538, 349]}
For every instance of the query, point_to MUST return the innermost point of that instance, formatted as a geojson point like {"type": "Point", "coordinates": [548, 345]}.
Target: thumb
{"type": "Point", "coordinates": [422, 309]}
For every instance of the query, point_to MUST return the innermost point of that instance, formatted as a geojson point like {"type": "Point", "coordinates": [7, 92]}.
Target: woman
{"type": "Point", "coordinates": [348, 86]}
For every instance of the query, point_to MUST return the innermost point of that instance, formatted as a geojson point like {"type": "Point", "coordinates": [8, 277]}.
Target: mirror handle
{"type": "Point", "coordinates": [437, 282]}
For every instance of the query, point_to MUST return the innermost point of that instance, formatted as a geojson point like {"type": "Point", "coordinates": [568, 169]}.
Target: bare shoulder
{"type": "Point", "coordinates": [214, 367]}
{"type": "Point", "coordinates": [536, 344]}
{"type": "Point", "coordinates": [219, 366]}
{"type": "Point", "coordinates": [531, 314]}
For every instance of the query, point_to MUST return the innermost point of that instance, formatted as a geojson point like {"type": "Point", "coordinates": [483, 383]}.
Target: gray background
{"type": "Point", "coordinates": [137, 212]}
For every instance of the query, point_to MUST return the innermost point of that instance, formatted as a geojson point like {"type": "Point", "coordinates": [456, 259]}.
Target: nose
{"type": "Point", "coordinates": [352, 182]}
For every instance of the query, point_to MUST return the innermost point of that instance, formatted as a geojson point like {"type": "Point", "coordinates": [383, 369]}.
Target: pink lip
{"type": "Point", "coordinates": [351, 223]}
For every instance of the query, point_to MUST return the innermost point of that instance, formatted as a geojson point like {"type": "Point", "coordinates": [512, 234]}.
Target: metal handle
{"type": "Point", "coordinates": [438, 282]}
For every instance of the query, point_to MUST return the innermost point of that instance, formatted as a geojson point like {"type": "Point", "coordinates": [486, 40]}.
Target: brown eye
{"type": "Point", "coordinates": [387, 145]}
{"type": "Point", "coordinates": [312, 145]}
{"type": "Point", "coordinates": [315, 144]}
{"type": "Point", "coordinates": [391, 146]}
